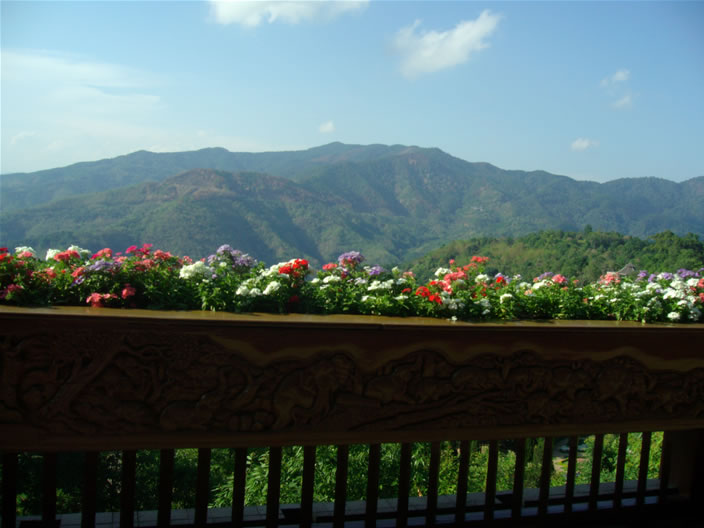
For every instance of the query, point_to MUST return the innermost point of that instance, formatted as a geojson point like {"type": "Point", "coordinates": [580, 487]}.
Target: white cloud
{"type": "Point", "coordinates": [625, 102]}
{"type": "Point", "coordinates": [581, 144]}
{"type": "Point", "coordinates": [620, 76]}
{"type": "Point", "coordinates": [327, 127]}
{"type": "Point", "coordinates": [252, 13]}
{"type": "Point", "coordinates": [431, 51]}
{"type": "Point", "coordinates": [24, 134]}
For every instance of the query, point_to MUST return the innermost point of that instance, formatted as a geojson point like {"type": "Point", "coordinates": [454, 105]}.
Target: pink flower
{"type": "Point", "coordinates": [131, 249]}
{"type": "Point", "coordinates": [96, 299]}
{"type": "Point", "coordinates": [12, 288]}
{"type": "Point", "coordinates": [128, 291]}
{"type": "Point", "coordinates": [77, 273]}
{"type": "Point", "coordinates": [25, 254]}
{"type": "Point", "coordinates": [329, 266]}
{"type": "Point", "coordinates": [103, 253]}
{"type": "Point", "coordinates": [559, 279]}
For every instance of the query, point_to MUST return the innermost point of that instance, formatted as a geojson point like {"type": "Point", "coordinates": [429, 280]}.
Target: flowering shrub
{"type": "Point", "coordinates": [233, 281]}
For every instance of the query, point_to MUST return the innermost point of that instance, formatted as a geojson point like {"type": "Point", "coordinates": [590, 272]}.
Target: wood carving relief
{"type": "Point", "coordinates": [87, 382]}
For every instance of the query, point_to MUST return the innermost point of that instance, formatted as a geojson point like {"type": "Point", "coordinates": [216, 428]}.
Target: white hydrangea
{"type": "Point", "coordinates": [195, 270]}
{"type": "Point", "coordinates": [272, 287]}
{"type": "Point", "coordinates": [673, 316]}
{"type": "Point", "coordinates": [693, 282]}
{"type": "Point", "coordinates": [379, 285]}
{"type": "Point", "coordinates": [51, 253]}
{"type": "Point", "coordinates": [505, 297]}
{"type": "Point", "coordinates": [481, 278]}
{"type": "Point", "coordinates": [441, 272]}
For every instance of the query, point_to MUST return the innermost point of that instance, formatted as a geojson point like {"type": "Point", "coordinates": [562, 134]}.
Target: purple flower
{"type": "Point", "coordinates": [653, 277]}
{"type": "Point", "coordinates": [102, 265]}
{"type": "Point", "coordinates": [667, 276]}
{"type": "Point", "coordinates": [685, 273]}
{"type": "Point", "coordinates": [225, 248]}
{"type": "Point", "coordinates": [642, 275]}
{"type": "Point", "coordinates": [375, 270]}
{"type": "Point", "coordinates": [351, 258]}
{"type": "Point", "coordinates": [546, 275]}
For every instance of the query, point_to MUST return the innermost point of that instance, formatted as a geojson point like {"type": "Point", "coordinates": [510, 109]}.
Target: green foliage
{"type": "Point", "coordinates": [582, 255]}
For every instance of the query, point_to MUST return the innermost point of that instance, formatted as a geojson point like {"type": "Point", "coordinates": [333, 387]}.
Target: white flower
{"type": "Point", "coordinates": [673, 316]}
{"type": "Point", "coordinates": [360, 280]}
{"type": "Point", "coordinates": [255, 292]}
{"type": "Point", "coordinates": [365, 298]}
{"type": "Point", "coordinates": [692, 283]}
{"type": "Point", "coordinates": [315, 281]}
{"type": "Point", "coordinates": [441, 272]}
{"type": "Point", "coordinates": [481, 278]}
{"type": "Point", "coordinates": [197, 269]}
{"type": "Point", "coordinates": [84, 253]}
{"type": "Point", "coordinates": [401, 297]}
{"type": "Point", "coordinates": [51, 253]}
{"type": "Point", "coordinates": [22, 249]}
{"type": "Point", "coordinates": [331, 278]}
{"type": "Point", "coordinates": [505, 297]}
{"type": "Point", "coordinates": [272, 287]}
{"type": "Point", "coordinates": [378, 285]}
{"type": "Point", "coordinates": [242, 290]}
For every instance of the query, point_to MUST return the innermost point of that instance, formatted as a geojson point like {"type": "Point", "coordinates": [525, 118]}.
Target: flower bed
{"type": "Point", "coordinates": [230, 280]}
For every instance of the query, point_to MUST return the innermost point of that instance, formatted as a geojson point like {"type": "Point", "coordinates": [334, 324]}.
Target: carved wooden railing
{"type": "Point", "coordinates": [82, 379]}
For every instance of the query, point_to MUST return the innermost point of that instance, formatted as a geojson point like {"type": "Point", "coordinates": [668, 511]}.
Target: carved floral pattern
{"type": "Point", "coordinates": [81, 382]}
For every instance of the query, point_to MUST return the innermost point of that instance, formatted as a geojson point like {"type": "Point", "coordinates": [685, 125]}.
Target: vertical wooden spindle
{"type": "Point", "coordinates": [239, 483]}
{"type": "Point", "coordinates": [620, 469]}
{"type": "Point", "coordinates": [9, 489]}
{"type": "Point", "coordinates": [129, 467]}
{"type": "Point", "coordinates": [433, 471]}
{"type": "Point", "coordinates": [273, 492]}
{"type": "Point", "coordinates": [643, 470]}
{"type": "Point", "coordinates": [665, 466]}
{"type": "Point", "coordinates": [49, 489]}
{"type": "Point", "coordinates": [202, 487]}
{"type": "Point", "coordinates": [90, 489]}
{"type": "Point", "coordinates": [462, 476]}
{"type": "Point", "coordinates": [372, 484]}
{"type": "Point", "coordinates": [545, 472]}
{"type": "Point", "coordinates": [596, 471]}
{"type": "Point", "coordinates": [341, 485]}
{"type": "Point", "coordinates": [518, 478]}
{"type": "Point", "coordinates": [571, 474]}
{"type": "Point", "coordinates": [307, 486]}
{"type": "Point", "coordinates": [490, 495]}
{"type": "Point", "coordinates": [404, 485]}
{"type": "Point", "coordinates": [166, 487]}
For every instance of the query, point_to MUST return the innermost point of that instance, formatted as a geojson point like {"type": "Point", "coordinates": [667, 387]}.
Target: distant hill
{"type": "Point", "coordinates": [584, 255]}
{"type": "Point", "coordinates": [394, 203]}
{"type": "Point", "coordinates": [22, 190]}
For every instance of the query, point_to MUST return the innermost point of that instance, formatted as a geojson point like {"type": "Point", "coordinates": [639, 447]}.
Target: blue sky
{"type": "Point", "coordinates": [592, 90]}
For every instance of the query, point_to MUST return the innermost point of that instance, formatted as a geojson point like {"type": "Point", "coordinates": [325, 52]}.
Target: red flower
{"type": "Point", "coordinates": [3, 250]}
{"type": "Point", "coordinates": [128, 291]}
{"type": "Point", "coordinates": [500, 280]}
{"type": "Point", "coordinates": [103, 253]}
{"type": "Point", "coordinates": [329, 266]}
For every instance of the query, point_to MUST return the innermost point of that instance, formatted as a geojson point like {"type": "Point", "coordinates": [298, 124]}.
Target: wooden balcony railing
{"type": "Point", "coordinates": [92, 380]}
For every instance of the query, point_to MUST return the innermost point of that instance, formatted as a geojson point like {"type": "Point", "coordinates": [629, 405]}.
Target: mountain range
{"type": "Point", "coordinates": [393, 203]}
